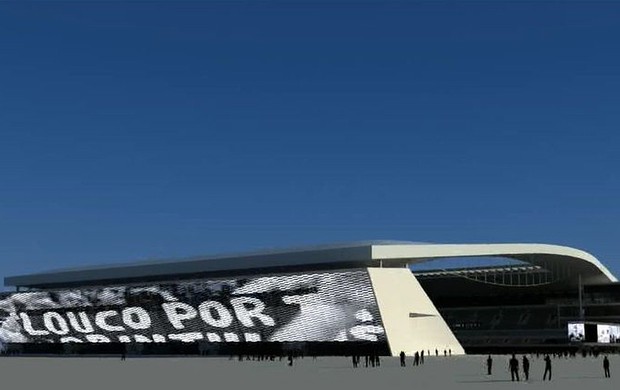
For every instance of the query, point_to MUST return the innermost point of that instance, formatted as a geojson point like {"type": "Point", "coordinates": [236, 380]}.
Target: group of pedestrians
{"type": "Point", "coordinates": [371, 360]}
{"type": "Point", "coordinates": [418, 358]}
{"type": "Point", "coordinates": [290, 357]}
{"type": "Point", "coordinates": [513, 366]}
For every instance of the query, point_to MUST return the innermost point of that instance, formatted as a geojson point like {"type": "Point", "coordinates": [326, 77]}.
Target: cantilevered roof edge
{"type": "Point", "coordinates": [356, 255]}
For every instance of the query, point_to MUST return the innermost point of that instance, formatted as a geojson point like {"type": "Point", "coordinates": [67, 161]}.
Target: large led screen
{"type": "Point", "coordinates": [607, 333]}
{"type": "Point", "coordinates": [603, 333]}
{"type": "Point", "coordinates": [576, 331]}
{"type": "Point", "coordinates": [336, 306]}
{"type": "Point", "coordinates": [615, 334]}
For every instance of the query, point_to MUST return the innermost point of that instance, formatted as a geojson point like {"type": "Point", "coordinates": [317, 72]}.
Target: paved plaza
{"type": "Point", "coordinates": [463, 372]}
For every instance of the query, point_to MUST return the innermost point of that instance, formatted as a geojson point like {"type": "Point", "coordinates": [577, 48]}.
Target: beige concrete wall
{"type": "Point", "coordinates": [398, 294]}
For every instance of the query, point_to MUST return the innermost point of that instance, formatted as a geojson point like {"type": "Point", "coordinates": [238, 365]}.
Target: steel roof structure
{"type": "Point", "coordinates": [565, 260]}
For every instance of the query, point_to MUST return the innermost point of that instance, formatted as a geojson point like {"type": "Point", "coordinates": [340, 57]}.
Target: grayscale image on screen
{"type": "Point", "coordinates": [319, 307]}
{"type": "Point", "coordinates": [576, 331]}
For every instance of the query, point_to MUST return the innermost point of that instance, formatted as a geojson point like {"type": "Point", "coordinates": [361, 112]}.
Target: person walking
{"type": "Point", "coordinates": [526, 367]}
{"type": "Point", "coordinates": [547, 367]}
{"type": "Point", "coordinates": [513, 363]}
{"type": "Point", "coordinates": [606, 367]}
{"type": "Point", "coordinates": [416, 358]}
{"type": "Point", "coordinates": [402, 359]}
{"type": "Point", "coordinates": [422, 357]}
{"type": "Point", "coordinates": [489, 364]}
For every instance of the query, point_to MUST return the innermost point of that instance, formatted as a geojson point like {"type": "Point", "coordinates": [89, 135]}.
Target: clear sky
{"type": "Point", "coordinates": [135, 130]}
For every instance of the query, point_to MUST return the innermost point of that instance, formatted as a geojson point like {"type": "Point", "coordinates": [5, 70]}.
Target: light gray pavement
{"type": "Point", "coordinates": [465, 372]}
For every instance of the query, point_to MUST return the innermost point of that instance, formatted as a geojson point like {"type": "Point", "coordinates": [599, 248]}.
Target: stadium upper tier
{"type": "Point", "coordinates": [565, 260]}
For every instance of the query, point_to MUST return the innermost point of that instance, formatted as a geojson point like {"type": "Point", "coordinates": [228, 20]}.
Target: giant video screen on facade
{"type": "Point", "coordinates": [322, 307]}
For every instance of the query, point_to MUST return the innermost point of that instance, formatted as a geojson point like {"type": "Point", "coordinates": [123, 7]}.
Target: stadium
{"type": "Point", "coordinates": [378, 297]}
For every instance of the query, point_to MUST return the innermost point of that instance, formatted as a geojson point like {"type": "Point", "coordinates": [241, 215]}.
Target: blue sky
{"type": "Point", "coordinates": [134, 130]}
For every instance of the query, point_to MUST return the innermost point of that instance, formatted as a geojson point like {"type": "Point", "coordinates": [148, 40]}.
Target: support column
{"type": "Point", "coordinates": [411, 321]}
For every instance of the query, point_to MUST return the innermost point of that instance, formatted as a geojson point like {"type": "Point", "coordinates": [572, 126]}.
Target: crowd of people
{"type": "Point", "coordinates": [513, 364]}
{"type": "Point", "coordinates": [371, 360]}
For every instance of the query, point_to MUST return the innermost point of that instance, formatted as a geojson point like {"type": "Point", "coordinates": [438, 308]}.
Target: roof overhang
{"type": "Point", "coordinates": [574, 260]}
{"type": "Point", "coordinates": [339, 256]}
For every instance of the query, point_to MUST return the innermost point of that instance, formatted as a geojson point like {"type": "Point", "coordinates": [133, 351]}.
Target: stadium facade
{"type": "Point", "coordinates": [334, 299]}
